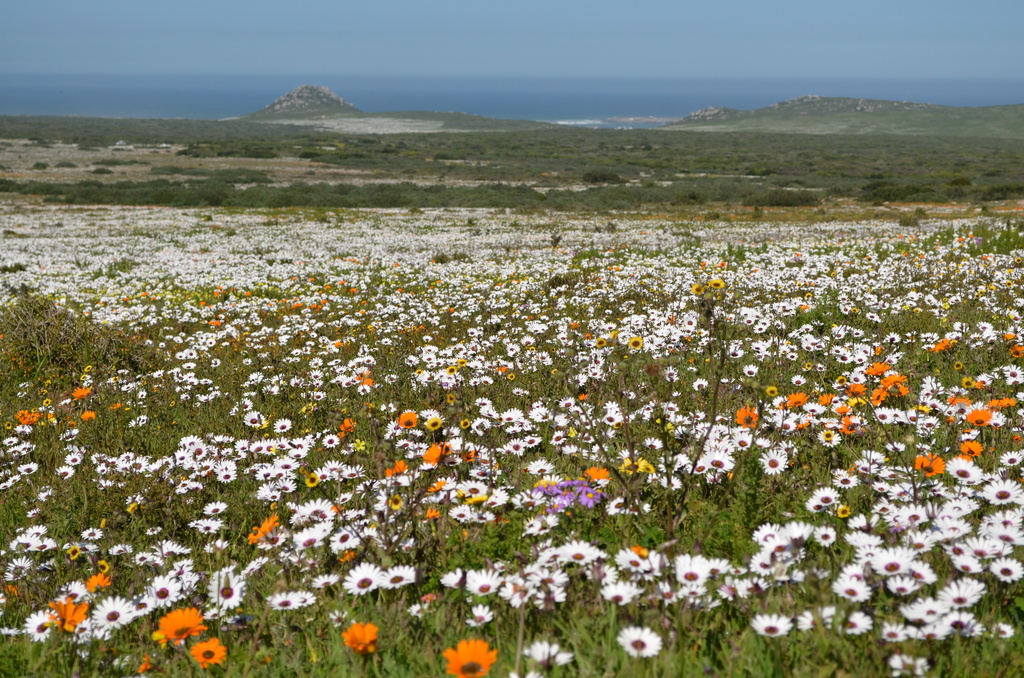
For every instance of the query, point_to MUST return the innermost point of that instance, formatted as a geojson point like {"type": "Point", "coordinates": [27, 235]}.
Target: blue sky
{"type": "Point", "coordinates": [601, 38]}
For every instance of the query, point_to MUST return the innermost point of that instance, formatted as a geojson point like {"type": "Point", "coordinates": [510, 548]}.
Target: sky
{"type": "Point", "coordinates": [934, 39]}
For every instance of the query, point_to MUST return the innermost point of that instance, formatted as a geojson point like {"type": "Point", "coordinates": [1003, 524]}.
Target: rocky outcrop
{"type": "Point", "coordinates": [307, 101]}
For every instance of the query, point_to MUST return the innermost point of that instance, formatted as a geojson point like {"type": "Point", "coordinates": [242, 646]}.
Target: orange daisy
{"type": "Point", "coordinates": [971, 448]}
{"type": "Point", "coordinates": [178, 625]}
{"type": "Point", "coordinates": [795, 400]}
{"type": "Point", "coordinates": [258, 533]}
{"type": "Point", "coordinates": [979, 417]}
{"type": "Point", "coordinates": [435, 452]}
{"type": "Point", "coordinates": [408, 420]}
{"type": "Point", "coordinates": [746, 417]}
{"type": "Point", "coordinates": [931, 464]}
{"type": "Point", "coordinates": [362, 638]}
{"type": "Point", "coordinates": [68, 613]}
{"type": "Point", "coordinates": [209, 652]}
{"type": "Point", "coordinates": [878, 369]}
{"type": "Point", "coordinates": [470, 658]}
{"type": "Point", "coordinates": [97, 581]}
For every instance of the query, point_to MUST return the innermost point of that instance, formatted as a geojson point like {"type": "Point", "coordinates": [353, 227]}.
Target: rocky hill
{"type": "Point", "coordinates": [305, 102]}
{"type": "Point", "coordinates": [810, 105]}
{"type": "Point", "coordinates": [841, 115]}
{"type": "Point", "coordinates": [320, 108]}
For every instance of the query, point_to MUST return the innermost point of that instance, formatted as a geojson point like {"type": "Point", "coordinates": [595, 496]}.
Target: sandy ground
{"type": "Point", "coordinates": [371, 125]}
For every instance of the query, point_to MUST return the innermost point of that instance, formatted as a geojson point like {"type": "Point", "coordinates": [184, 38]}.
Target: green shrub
{"type": "Point", "coordinates": [40, 336]}
{"type": "Point", "coordinates": [601, 177]}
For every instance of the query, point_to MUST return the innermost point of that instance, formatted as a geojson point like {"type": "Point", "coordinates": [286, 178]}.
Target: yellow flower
{"type": "Point", "coordinates": [636, 343]}
{"type": "Point", "coordinates": [717, 284]}
{"type": "Point", "coordinates": [640, 465]}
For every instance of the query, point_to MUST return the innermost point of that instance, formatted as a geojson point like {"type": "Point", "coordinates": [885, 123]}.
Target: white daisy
{"type": "Point", "coordinates": [639, 641]}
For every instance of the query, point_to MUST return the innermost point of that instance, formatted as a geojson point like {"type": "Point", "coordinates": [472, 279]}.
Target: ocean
{"type": "Point", "coordinates": [593, 102]}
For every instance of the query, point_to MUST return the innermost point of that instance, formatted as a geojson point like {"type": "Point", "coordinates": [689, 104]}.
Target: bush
{"type": "Point", "coordinates": [601, 177]}
{"type": "Point", "coordinates": [40, 336]}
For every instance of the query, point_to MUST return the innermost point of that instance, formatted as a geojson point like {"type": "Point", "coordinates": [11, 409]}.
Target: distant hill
{"type": "Point", "coordinates": [304, 103]}
{"type": "Point", "coordinates": [838, 115]}
{"type": "Point", "coordinates": [321, 108]}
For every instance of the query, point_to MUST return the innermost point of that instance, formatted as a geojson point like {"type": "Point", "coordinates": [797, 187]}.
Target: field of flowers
{"type": "Point", "coordinates": [468, 442]}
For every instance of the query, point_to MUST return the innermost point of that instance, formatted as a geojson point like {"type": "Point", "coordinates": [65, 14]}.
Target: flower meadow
{"type": "Point", "coordinates": [471, 442]}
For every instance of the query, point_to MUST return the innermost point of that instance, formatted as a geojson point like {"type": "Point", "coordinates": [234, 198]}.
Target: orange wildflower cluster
{"type": "Point", "coordinates": [942, 345]}
{"type": "Point", "coordinates": [26, 418]}
{"type": "Point", "coordinates": [1001, 403]}
{"type": "Point", "coordinates": [894, 384]}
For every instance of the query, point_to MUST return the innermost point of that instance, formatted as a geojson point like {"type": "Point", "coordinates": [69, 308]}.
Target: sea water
{"type": "Point", "coordinates": [592, 102]}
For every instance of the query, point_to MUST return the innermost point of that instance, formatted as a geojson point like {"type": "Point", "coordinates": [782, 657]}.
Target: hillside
{"type": "Point", "coordinates": [836, 115]}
